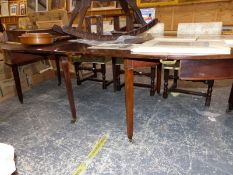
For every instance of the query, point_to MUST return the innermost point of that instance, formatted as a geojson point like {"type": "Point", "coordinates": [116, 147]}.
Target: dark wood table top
{"type": "Point", "coordinates": [61, 47]}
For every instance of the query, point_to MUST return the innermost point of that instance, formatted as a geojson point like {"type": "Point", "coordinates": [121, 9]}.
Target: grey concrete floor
{"type": "Point", "coordinates": [173, 136]}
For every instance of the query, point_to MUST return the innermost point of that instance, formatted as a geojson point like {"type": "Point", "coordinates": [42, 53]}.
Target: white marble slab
{"type": "Point", "coordinates": [196, 29]}
{"type": "Point", "coordinates": [181, 46]}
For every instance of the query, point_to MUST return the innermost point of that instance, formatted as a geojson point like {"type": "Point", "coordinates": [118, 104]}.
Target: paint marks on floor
{"type": "Point", "coordinates": [211, 116]}
{"type": "Point", "coordinates": [92, 154]}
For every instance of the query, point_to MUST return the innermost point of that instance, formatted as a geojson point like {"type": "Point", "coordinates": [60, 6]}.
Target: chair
{"type": "Point", "coordinates": [82, 63]}
{"type": "Point", "coordinates": [194, 30]}
{"type": "Point", "coordinates": [155, 68]}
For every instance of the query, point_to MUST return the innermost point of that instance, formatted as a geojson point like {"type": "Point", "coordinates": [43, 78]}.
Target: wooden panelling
{"type": "Point", "coordinates": [225, 13]}
{"type": "Point", "coordinates": [164, 14]}
{"type": "Point", "coordinates": [185, 11]}
{"type": "Point", "coordinates": [200, 1]}
{"type": "Point", "coordinates": [195, 12]}
{"type": "Point", "coordinates": [205, 12]}
{"type": "Point", "coordinates": [182, 14]}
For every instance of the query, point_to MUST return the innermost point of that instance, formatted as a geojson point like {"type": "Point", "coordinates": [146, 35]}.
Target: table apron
{"type": "Point", "coordinates": [206, 69]}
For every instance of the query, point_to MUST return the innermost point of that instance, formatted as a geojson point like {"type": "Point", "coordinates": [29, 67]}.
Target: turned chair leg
{"type": "Point", "coordinates": [166, 77]}
{"type": "Point", "coordinates": [175, 78]}
{"type": "Point", "coordinates": [158, 82]}
{"type": "Point", "coordinates": [94, 70]}
{"type": "Point", "coordinates": [77, 68]}
{"type": "Point", "coordinates": [209, 92]}
{"type": "Point", "coordinates": [152, 76]}
{"type": "Point", "coordinates": [103, 71]}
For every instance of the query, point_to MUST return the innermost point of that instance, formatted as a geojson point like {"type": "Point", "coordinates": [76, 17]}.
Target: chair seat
{"type": "Point", "coordinates": [138, 63]}
{"type": "Point", "coordinates": [175, 66]}
{"type": "Point", "coordinates": [91, 59]}
{"type": "Point", "coordinates": [119, 61]}
{"type": "Point", "coordinates": [142, 64]}
{"type": "Point", "coordinates": [171, 65]}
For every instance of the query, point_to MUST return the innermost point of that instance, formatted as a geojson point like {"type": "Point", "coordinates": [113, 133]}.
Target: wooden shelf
{"type": "Point", "coordinates": [181, 2]}
{"type": "Point", "coordinates": [13, 16]}
{"type": "Point", "coordinates": [20, 8]}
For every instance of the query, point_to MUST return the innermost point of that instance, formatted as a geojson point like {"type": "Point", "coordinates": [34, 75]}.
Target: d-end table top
{"type": "Point", "coordinates": [77, 48]}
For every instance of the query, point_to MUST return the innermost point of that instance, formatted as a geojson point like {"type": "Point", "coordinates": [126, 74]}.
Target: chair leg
{"type": "Point", "coordinates": [114, 74]}
{"type": "Point", "coordinates": [175, 78]}
{"type": "Point", "coordinates": [158, 82]}
{"type": "Point", "coordinates": [94, 70]}
{"type": "Point", "coordinates": [118, 77]}
{"type": "Point", "coordinates": [77, 68]}
{"type": "Point", "coordinates": [166, 76]}
{"type": "Point", "coordinates": [152, 76]}
{"type": "Point", "coordinates": [209, 92]}
{"type": "Point", "coordinates": [103, 71]}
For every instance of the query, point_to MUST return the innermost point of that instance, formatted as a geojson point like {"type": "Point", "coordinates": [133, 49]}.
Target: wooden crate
{"type": "Point", "coordinates": [8, 90]}
{"type": "Point", "coordinates": [5, 71]}
{"type": "Point", "coordinates": [40, 77]}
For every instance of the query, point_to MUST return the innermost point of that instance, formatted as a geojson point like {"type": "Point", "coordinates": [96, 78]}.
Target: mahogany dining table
{"type": "Point", "coordinates": [206, 67]}
{"type": "Point", "coordinates": [192, 67]}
